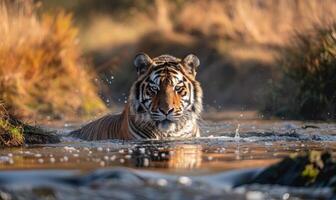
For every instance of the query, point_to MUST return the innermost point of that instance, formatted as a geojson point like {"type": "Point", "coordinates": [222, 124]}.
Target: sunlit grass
{"type": "Point", "coordinates": [41, 69]}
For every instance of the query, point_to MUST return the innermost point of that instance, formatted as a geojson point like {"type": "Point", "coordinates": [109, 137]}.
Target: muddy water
{"type": "Point", "coordinates": [204, 168]}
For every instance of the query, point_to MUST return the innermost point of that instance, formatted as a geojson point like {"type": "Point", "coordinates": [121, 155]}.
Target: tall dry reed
{"type": "Point", "coordinates": [41, 70]}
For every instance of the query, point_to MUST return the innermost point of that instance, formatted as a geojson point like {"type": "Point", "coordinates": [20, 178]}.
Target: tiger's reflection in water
{"type": "Point", "coordinates": [179, 156]}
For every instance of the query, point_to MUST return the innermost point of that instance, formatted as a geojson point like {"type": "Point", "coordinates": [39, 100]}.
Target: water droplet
{"type": "Point", "coordinates": [11, 161]}
{"type": "Point", "coordinates": [142, 150]}
{"type": "Point", "coordinates": [184, 180]}
{"type": "Point", "coordinates": [38, 155]}
{"type": "Point", "coordinates": [4, 159]}
{"type": "Point", "coordinates": [237, 136]}
{"type": "Point", "coordinates": [146, 162]}
{"type": "Point", "coordinates": [285, 196]}
{"type": "Point", "coordinates": [112, 158]}
{"type": "Point", "coordinates": [162, 182]}
{"type": "Point", "coordinates": [69, 149]}
{"type": "Point", "coordinates": [65, 158]}
{"type": "Point", "coordinates": [254, 195]}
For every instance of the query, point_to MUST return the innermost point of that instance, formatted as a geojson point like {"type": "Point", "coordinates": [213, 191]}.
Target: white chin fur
{"type": "Point", "coordinates": [167, 126]}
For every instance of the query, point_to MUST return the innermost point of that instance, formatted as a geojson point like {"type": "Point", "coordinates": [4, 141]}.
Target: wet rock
{"type": "Point", "coordinates": [15, 133]}
{"type": "Point", "coordinates": [314, 169]}
{"type": "Point", "coordinates": [36, 135]}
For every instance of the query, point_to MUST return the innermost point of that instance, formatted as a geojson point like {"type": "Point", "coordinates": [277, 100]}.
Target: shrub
{"type": "Point", "coordinates": [41, 70]}
{"type": "Point", "coordinates": [10, 135]}
{"type": "Point", "coordinates": [308, 87]}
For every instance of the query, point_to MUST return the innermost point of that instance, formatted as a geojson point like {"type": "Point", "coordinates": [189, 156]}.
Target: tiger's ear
{"type": "Point", "coordinates": [142, 62]}
{"type": "Point", "coordinates": [191, 63]}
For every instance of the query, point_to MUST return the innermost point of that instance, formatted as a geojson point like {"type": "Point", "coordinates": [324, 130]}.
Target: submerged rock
{"type": "Point", "coordinates": [314, 169]}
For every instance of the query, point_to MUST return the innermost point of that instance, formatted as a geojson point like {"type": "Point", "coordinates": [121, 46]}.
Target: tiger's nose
{"type": "Point", "coordinates": [166, 111]}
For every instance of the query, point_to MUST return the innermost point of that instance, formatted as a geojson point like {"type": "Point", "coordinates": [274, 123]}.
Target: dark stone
{"type": "Point", "coordinates": [314, 169]}
{"type": "Point", "coordinates": [35, 135]}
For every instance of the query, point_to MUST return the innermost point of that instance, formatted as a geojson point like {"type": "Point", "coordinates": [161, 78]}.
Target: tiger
{"type": "Point", "coordinates": [164, 102]}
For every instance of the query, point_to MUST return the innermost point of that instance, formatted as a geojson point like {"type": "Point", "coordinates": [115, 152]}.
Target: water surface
{"type": "Point", "coordinates": [184, 168]}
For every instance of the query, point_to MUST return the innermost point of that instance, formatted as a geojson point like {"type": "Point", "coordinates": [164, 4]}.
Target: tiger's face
{"type": "Point", "coordinates": [166, 92]}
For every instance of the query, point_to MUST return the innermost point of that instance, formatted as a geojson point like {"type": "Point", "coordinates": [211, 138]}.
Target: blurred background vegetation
{"type": "Point", "coordinates": [61, 58]}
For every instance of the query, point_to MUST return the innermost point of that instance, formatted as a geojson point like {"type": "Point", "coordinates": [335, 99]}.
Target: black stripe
{"type": "Point", "coordinates": [142, 89]}
{"type": "Point", "coordinates": [142, 133]}
{"type": "Point", "coordinates": [135, 130]}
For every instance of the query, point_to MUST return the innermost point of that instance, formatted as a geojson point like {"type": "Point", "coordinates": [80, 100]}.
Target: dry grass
{"type": "Point", "coordinates": [41, 70]}
{"type": "Point", "coordinates": [265, 22]}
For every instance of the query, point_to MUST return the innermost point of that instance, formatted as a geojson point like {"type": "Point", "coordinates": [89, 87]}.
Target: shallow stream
{"type": "Point", "coordinates": [229, 153]}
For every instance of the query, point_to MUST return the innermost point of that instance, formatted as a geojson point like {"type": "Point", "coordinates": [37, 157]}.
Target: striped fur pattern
{"type": "Point", "coordinates": [164, 102]}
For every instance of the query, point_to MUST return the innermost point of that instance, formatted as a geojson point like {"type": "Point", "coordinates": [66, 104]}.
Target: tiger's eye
{"type": "Point", "coordinates": [178, 88]}
{"type": "Point", "coordinates": [153, 88]}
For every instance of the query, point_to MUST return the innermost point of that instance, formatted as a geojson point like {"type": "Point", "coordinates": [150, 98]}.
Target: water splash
{"type": "Point", "coordinates": [237, 135]}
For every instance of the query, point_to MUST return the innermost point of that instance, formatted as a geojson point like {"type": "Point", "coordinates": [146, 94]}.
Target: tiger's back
{"type": "Point", "coordinates": [108, 127]}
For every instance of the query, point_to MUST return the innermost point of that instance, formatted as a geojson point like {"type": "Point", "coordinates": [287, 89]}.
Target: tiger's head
{"type": "Point", "coordinates": [166, 93]}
